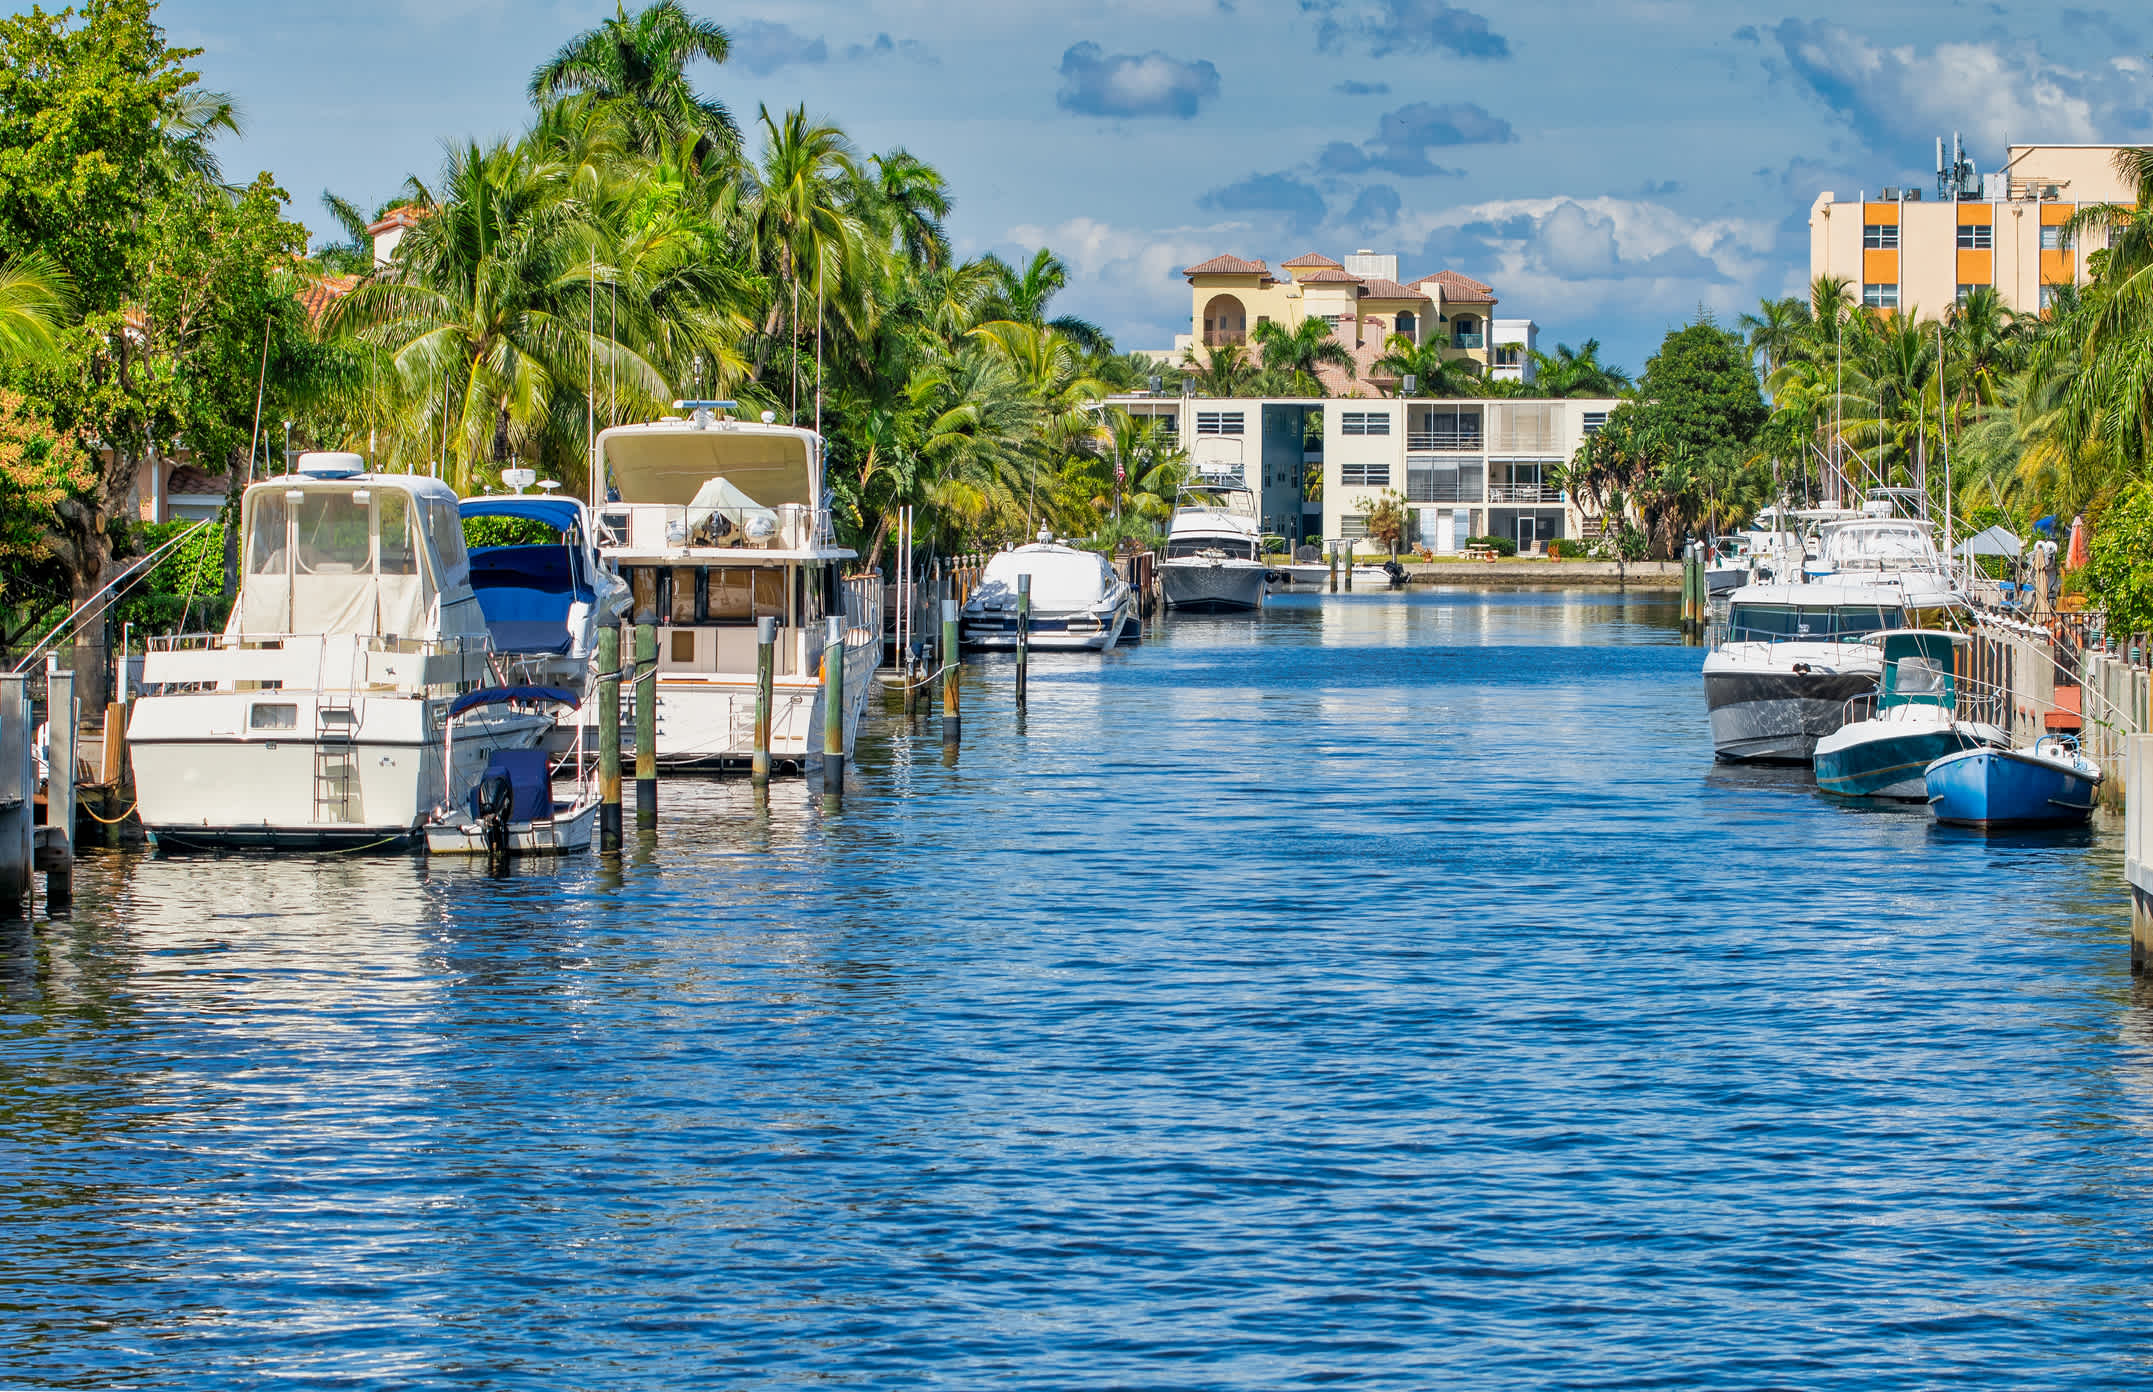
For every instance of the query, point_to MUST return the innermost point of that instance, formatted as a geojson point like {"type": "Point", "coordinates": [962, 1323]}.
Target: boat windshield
{"type": "Point", "coordinates": [1782, 623]}
{"type": "Point", "coordinates": [1234, 548]}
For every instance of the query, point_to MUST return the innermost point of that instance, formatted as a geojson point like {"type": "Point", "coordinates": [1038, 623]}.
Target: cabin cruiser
{"type": "Point", "coordinates": [1786, 661]}
{"type": "Point", "coordinates": [1213, 549]}
{"type": "Point", "coordinates": [715, 525]}
{"type": "Point", "coordinates": [1078, 602]}
{"type": "Point", "coordinates": [544, 590]}
{"type": "Point", "coordinates": [316, 718]}
{"type": "Point", "coordinates": [1891, 736]}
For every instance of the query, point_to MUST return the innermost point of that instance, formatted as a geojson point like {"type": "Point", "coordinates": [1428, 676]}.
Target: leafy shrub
{"type": "Point", "coordinates": [507, 531]}
{"type": "Point", "coordinates": [1564, 548]}
{"type": "Point", "coordinates": [1503, 546]}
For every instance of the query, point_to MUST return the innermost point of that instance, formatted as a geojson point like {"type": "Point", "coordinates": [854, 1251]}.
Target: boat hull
{"type": "Point", "coordinates": [566, 832]}
{"type": "Point", "coordinates": [1081, 632]}
{"type": "Point", "coordinates": [1199, 584]}
{"type": "Point", "coordinates": [2008, 788]}
{"type": "Point", "coordinates": [707, 722]}
{"type": "Point", "coordinates": [1778, 717]}
{"type": "Point", "coordinates": [1857, 761]}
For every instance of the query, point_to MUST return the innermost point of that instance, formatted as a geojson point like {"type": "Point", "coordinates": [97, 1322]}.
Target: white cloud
{"type": "Point", "coordinates": [1130, 278]}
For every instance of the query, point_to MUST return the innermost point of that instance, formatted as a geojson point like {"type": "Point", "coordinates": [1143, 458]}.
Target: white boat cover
{"type": "Point", "coordinates": [1064, 579]}
{"type": "Point", "coordinates": [718, 497]}
{"type": "Point", "coordinates": [370, 555]}
{"type": "Point", "coordinates": [670, 462]}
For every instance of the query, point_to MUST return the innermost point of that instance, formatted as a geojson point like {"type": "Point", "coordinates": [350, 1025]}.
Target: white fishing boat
{"type": "Point", "coordinates": [1786, 661]}
{"type": "Point", "coordinates": [1213, 549]}
{"type": "Point", "coordinates": [1078, 602]}
{"type": "Point", "coordinates": [513, 810]}
{"type": "Point", "coordinates": [315, 718]}
{"type": "Point", "coordinates": [716, 524]}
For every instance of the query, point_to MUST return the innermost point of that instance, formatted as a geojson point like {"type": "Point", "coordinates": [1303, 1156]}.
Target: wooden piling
{"type": "Point", "coordinates": [952, 719]}
{"type": "Point", "coordinates": [833, 709]}
{"type": "Point", "coordinates": [765, 697]}
{"type": "Point", "coordinates": [63, 722]}
{"type": "Point", "coordinates": [609, 740]}
{"type": "Point", "coordinates": [646, 727]}
{"type": "Point", "coordinates": [1024, 632]}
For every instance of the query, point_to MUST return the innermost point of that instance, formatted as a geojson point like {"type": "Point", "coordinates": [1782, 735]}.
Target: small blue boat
{"type": "Point", "coordinates": [2050, 783]}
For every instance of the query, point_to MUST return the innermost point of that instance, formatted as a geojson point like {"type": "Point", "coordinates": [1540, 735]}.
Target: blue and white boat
{"type": "Point", "coordinates": [2049, 783]}
{"type": "Point", "coordinates": [546, 593]}
{"type": "Point", "coordinates": [1912, 723]}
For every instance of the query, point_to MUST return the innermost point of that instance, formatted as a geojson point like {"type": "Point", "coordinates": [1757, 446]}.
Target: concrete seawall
{"type": "Point", "coordinates": [1652, 575]}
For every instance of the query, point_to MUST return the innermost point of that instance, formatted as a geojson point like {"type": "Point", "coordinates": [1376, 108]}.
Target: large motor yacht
{"type": "Point", "coordinates": [1212, 549]}
{"type": "Point", "coordinates": [1786, 662]}
{"type": "Point", "coordinates": [717, 523]}
{"type": "Point", "coordinates": [317, 718]}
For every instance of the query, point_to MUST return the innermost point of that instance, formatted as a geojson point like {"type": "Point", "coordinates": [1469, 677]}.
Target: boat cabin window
{"type": "Point", "coordinates": [1197, 546]}
{"type": "Point", "coordinates": [332, 534]}
{"type": "Point", "coordinates": [1768, 623]}
{"type": "Point", "coordinates": [399, 535]}
{"type": "Point", "coordinates": [265, 540]}
{"type": "Point", "coordinates": [710, 595]}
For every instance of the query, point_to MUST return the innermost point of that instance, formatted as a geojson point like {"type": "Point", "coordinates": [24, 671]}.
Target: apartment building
{"type": "Point", "coordinates": [1911, 248]}
{"type": "Point", "coordinates": [1364, 302]}
{"type": "Point", "coordinates": [1470, 467]}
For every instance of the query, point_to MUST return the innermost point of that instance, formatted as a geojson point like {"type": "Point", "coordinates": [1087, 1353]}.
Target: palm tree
{"type": "Point", "coordinates": [1291, 357]}
{"type": "Point", "coordinates": [1777, 331]}
{"type": "Point", "coordinates": [803, 229]}
{"type": "Point", "coordinates": [1434, 372]}
{"type": "Point", "coordinates": [1223, 370]}
{"type": "Point", "coordinates": [911, 199]}
{"type": "Point", "coordinates": [187, 122]}
{"type": "Point", "coordinates": [37, 298]}
{"type": "Point", "coordinates": [1577, 372]}
{"type": "Point", "coordinates": [1147, 463]}
{"type": "Point", "coordinates": [637, 68]}
{"type": "Point", "coordinates": [1025, 294]}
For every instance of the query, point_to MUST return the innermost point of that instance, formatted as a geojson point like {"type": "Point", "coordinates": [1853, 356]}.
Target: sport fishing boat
{"type": "Point", "coordinates": [545, 590]}
{"type": "Point", "coordinates": [315, 718]}
{"type": "Point", "coordinates": [1213, 549]}
{"type": "Point", "coordinates": [1885, 746]}
{"type": "Point", "coordinates": [716, 524]}
{"type": "Point", "coordinates": [1078, 603]}
{"type": "Point", "coordinates": [1786, 661]}
{"type": "Point", "coordinates": [2048, 783]}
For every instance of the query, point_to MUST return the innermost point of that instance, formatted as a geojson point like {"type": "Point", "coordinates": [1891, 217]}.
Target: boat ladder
{"type": "Point", "coordinates": [336, 767]}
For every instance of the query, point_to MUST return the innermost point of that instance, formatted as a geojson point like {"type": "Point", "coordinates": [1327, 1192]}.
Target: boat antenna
{"type": "Point", "coordinates": [818, 342]}
{"type": "Point", "coordinates": [795, 420]}
{"type": "Point", "coordinates": [590, 385]}
{"type": "Point", "coordinates": [1943, 430]}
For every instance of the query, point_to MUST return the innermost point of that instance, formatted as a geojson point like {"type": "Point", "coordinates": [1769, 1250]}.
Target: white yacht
{"type": "Point", "coordinates": [1213, 549]}
{"type": "Point", "coordinates": [316, 719]}
{"type": "Point", "coordinates": [544, 589]}
{"type": "Point", "coordinates": [715, 524]}
{"type": "Point", "coordinates": [1078, 602]}
{"type": "Point", "coordinates": [1787, 660]}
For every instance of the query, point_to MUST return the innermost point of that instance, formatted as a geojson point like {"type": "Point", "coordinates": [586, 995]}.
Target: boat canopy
{"type": "Point", "coordinates": [1917, 667]}
{"type": "Point", "coordinates": [721, 509]}
{"type": "Point", "coordinates": [561, 514]}
{"type": "Point", "coordinates": [1064, 579]}
{"type": "Point", "coordinates": [528, 592]}
{"type": "Point", "coordinates": [373, 554]}
{"type": "Point", "coordinates": [1878, 544]}
{"type": "Point", "coordinates": [669, 463]}
{"type": "Point", "coordinates": [1990, 541]}
{"type": "Point", "coordinates": [502, 695]}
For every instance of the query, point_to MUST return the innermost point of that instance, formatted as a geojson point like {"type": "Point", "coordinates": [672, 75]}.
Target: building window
{"type": "Point", "coordinates": [1595, 422]}
{"type": "Point", "coordinates": [1966, 292]}
{"type": "Point", "coordinates": [1219, 423]}
{"type": "Point", "coordinates": [1885, 296]}
{"type": "Point", "coordinates": [2052, 236]}
{"type": "Point", "coordinates": [1353, 526]}
{"type": "Point", "coordinates": [2048, 297]}
{"type": "Point", "coordinates": [1880, 236]}
{"type": "Point", "coordinates": [1364, 422]}
{"type": "Point", "coordinates": [1976, 236]}
{"type": "Point", "coordinates": [1375, 475]}
{"type": "Point", "coordinates": [1406, 324]}
{"type": "Point", "coordinates": [1510, 355]}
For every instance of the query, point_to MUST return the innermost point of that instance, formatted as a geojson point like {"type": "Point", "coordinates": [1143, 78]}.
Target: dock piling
{"type": "Point", "coordinates": [609, 740]}
{"type": "Point", "coordinates": [18, 796]}
{"type": "Point", "coordinates": [63, 722]}
{"type": "Point", "coordinates": [646, 727]}
{"type": "Point", "coordinates": [765, 689]}
{"type": "Point", "coordinates": [1332, 549]}
{"type": "Point", "coordinates": [1349, 567]}
{"type": "Point", "coordinates": [833, 709]}
{"type": "Point", "coordinates": [1024, 633]}
{"type": "Point", "coordinates": [952, 718]}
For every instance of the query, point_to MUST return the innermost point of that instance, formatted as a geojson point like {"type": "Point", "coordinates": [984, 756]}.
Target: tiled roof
{"type": "Point", "coordinates": [395, 217]}
{"type": "Point", "coordinates": [1228, 265]}
{"type": "Point", "coordinates": [1458, 289]}
{"type": "Point", "coordinates": [318, 295]}
{"type": "Point", "coordinates": [1313, 258]}
{"type": "Point", "coordinates": [1328, 274]}
{"type": "Point", "coordinates": [1379, 289]}
{"type": "Point", "coordinates": [188, 480]}
{"type": "Point", "coordinates": [1334, 379]}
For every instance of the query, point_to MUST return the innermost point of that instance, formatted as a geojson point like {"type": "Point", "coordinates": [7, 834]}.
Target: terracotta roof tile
{"type": "Point", "coordinates": [1324, 275]}
{"type": "Point", "coordinates": [1313, 258]}
{"type": "Point", "coordinates": [1228, 265]}
{"type": "Point", "coordinates": [320, 294]}
{"type": "Point", "coordinates": [187, 479]}
{"type": "Point", "coordinates": [1459, 289]}
{"type": "Point", "coordinates": [396, 217]}
{"type": "Point", "coordinates": [1379, 289]}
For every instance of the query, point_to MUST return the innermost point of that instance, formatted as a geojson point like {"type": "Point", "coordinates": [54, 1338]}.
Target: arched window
{"type": "Point", "coordinates": [1465, 331]}
{"type": "Point", "coordinates": [1225, 321]}
{"type": "Point", "coordinates": [1408, 325]}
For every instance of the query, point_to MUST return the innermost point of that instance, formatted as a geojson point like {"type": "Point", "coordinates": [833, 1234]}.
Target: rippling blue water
{"type": "Point", "coordinates": [1386, 991]}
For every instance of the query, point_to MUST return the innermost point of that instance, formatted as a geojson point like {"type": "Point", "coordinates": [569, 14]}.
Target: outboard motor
{"type": "Point", "coordinates": [1395, 571]}
{"type": "Point", "coordinates": [496, 799]}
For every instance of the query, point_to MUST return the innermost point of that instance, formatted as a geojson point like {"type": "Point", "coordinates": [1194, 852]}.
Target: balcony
{"type": "Point", "coordinates": [1524, 493]}
{"type": "Point", "coordinates": [1468, 340]}
{"type": "Point", "coordinates": [1453, 441]}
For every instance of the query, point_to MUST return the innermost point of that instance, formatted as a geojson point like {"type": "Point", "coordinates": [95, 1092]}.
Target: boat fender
{"type": "Point", "coordinates": [1801, 669]}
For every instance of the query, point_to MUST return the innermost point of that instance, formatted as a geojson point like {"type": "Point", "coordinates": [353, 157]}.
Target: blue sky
{"type": "Point", "coordinates": [1608, 167]}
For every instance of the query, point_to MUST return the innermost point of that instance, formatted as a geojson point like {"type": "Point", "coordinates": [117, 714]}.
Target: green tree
{"type": "Point", "coordinates": [1434, 372]}
{"type": "Point", "coordinates": [1293, 357]}
{"type": "Point", "coordinates": [1577, 372]}
{"type": "Point", "coordinates": [636, 69]}
{"type": "Point", "coordinates": [1700, 390]}
{"type": "Point", "coordinates": [2119, 570]}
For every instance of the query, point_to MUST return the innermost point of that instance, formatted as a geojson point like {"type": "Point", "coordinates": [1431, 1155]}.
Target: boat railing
{"type": "Point", "coordinates": [314, 661]}
{"type": "Point", "coordinates": [863, 606]}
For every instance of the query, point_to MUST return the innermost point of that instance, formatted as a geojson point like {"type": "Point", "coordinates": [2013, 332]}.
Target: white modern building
{"type": "Point", "coordinates": [1468, 467]}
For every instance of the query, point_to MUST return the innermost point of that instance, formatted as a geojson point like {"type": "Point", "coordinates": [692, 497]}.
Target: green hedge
{"type": "Point", "coordinates": [1565, 548]}
{"type": "Point", "coordinates": [1503, 546]}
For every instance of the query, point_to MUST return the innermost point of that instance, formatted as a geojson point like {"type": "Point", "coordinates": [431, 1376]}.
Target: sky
{"type": "Point", "coordinates": [1610, 168]}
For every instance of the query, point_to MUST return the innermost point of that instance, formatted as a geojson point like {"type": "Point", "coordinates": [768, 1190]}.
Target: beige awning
{"type": "Point", "coordinates": [670, 463]}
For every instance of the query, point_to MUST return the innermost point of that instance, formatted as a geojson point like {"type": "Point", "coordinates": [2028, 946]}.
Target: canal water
{"type": "Point", "coordinates": [1385, 991]}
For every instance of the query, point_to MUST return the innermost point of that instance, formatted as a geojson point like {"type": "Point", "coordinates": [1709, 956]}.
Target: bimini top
{"type": "Point", "coordinates": [561, 514]}
{"type": "Point", "coordinates": [669, 462]}
{"type": "Point", "coordinates": [343, 554]}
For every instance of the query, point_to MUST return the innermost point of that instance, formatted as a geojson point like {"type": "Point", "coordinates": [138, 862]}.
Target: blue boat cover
{"type": "Point", "coordinates": [525, 593]}
{"type": "Point", "coordinates": [557, 513]}
{"type": "Point", "coordinates": [502, 695]}
{"type": "Point", "coordinates": [525, 770]}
